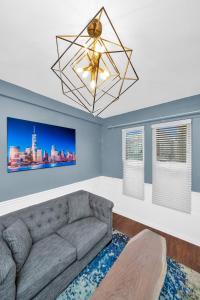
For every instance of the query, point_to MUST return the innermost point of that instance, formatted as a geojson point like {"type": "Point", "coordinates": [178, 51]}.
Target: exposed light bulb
{"type": "Point", "coordinates": [85, 74]}
{"type": "Point", "coordinates": [93, 84]}
{"type": "Point", "coordinates": [104, 75]}
{"type": "Point", "coordinates": [79, 70]}
{"type": "Point", "coordinates": [107, 74]}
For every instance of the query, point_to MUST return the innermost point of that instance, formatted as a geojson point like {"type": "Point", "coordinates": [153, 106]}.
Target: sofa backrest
{"type": "Point", "coordinates": [42, 219]}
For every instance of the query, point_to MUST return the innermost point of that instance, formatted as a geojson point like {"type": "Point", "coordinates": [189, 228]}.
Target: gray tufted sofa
{"type": "Point", "coordinates": [67, 233]}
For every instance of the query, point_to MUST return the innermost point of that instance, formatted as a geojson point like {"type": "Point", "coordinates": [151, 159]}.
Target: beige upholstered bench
{"type": "Point", "coordinates": [139, 272]}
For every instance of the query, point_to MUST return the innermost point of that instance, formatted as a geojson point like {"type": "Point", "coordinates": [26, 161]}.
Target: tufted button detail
{"type": "Point", "coordinates": [39, 225]}
{"type": "Point", "coordinates": [58, 217]}
{"type": "Point", "coordinates": [31, 216]}
{"type": "Point", "coordinates": [49, 220]}
{"type": "Point", "coordinates": [42, 212]}
{"type": "Point", "coordinates": [51, 208]}
{"type": "Point", "coordinates": [60, 205]}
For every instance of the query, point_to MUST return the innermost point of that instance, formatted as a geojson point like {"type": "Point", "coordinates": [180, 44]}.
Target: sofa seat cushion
{"type": "Point", "coordinates": [47, 259]}
{"type": "Point", "coordinates": [84, 234]}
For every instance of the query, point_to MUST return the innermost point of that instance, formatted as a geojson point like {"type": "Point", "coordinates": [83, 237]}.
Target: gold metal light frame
{"type": "Point", "coordinates": [94, 67]}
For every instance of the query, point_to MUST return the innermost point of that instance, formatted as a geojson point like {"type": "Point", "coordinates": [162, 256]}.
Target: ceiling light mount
{"type": "Point", "coordinates": [94, 67]}
{"type": "Point", "coordinates": [94, 28]}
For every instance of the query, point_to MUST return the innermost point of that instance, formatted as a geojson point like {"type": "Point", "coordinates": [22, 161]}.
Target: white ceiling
{"type": "Point", "coordinates": [164, 34]}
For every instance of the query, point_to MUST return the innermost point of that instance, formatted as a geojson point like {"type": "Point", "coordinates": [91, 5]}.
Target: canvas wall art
{"type": "Point", "coordinates": [33, 145]}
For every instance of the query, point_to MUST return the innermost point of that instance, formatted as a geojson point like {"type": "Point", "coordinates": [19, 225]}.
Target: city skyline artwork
{"type": "Point", "coordinates": [33, 145]}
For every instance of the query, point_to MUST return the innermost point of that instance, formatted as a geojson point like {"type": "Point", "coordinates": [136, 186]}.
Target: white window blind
{"type": "Point", "coordinates": [133, 162]}
{"type": "Point", "coordinates": [172, 165]}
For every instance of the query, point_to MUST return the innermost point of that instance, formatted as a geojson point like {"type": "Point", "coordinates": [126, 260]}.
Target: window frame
{"type": "Point", "coordinates": [161, 194]}
{"type": "Point", "coordinates": [124, 133]}
{"type": "Point", "coordinates": [168, 125]}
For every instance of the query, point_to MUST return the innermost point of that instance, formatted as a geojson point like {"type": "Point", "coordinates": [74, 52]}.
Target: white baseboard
{"type": "Point", "coordinates": [181, 225]}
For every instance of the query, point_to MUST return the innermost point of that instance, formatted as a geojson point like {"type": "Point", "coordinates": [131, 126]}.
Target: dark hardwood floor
{"type": "Point", "coordinates": [182, 251]}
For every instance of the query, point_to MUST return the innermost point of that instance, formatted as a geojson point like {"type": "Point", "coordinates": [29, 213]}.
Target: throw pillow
{"type": "Point", "coordinates": [19, 241]}
{"type": "Point", "coordinates": [79, 206]}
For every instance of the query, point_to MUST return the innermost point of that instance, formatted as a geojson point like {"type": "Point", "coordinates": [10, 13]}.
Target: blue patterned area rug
{"type": "Point", "coordinates": [181, 283]}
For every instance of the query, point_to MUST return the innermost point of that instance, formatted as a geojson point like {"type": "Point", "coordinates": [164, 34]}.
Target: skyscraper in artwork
{"type": "Point", "coordinates": [34, 144]}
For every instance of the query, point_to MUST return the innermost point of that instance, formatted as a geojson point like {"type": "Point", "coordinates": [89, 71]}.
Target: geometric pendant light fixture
{"type": "Point", "coordinates": [94, 67]}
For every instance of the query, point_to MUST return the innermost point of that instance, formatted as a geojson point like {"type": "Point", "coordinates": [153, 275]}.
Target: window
{"type": "Point", "coordinates": [133, 162]}
{"type": "Point", "coordinates": [172, 165]}
{"type": "Point", "coordinates": [134, 145]}
{"type": "Point", "coordinates": [171, 144]}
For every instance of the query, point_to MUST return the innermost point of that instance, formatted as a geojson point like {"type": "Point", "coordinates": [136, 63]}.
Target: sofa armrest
{"type": "Point", "coordinates": [102, 209]}
{"type": "Point", "coordinates": [7, 273]}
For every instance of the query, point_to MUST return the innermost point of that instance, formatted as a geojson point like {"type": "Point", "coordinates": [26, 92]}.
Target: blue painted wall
{"type": "Point", "coordinates": [20, 103]}
{"type": "Point", "coordinates": [112, 137]}
{"type": "Point", "coordinates": [99, 149]}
